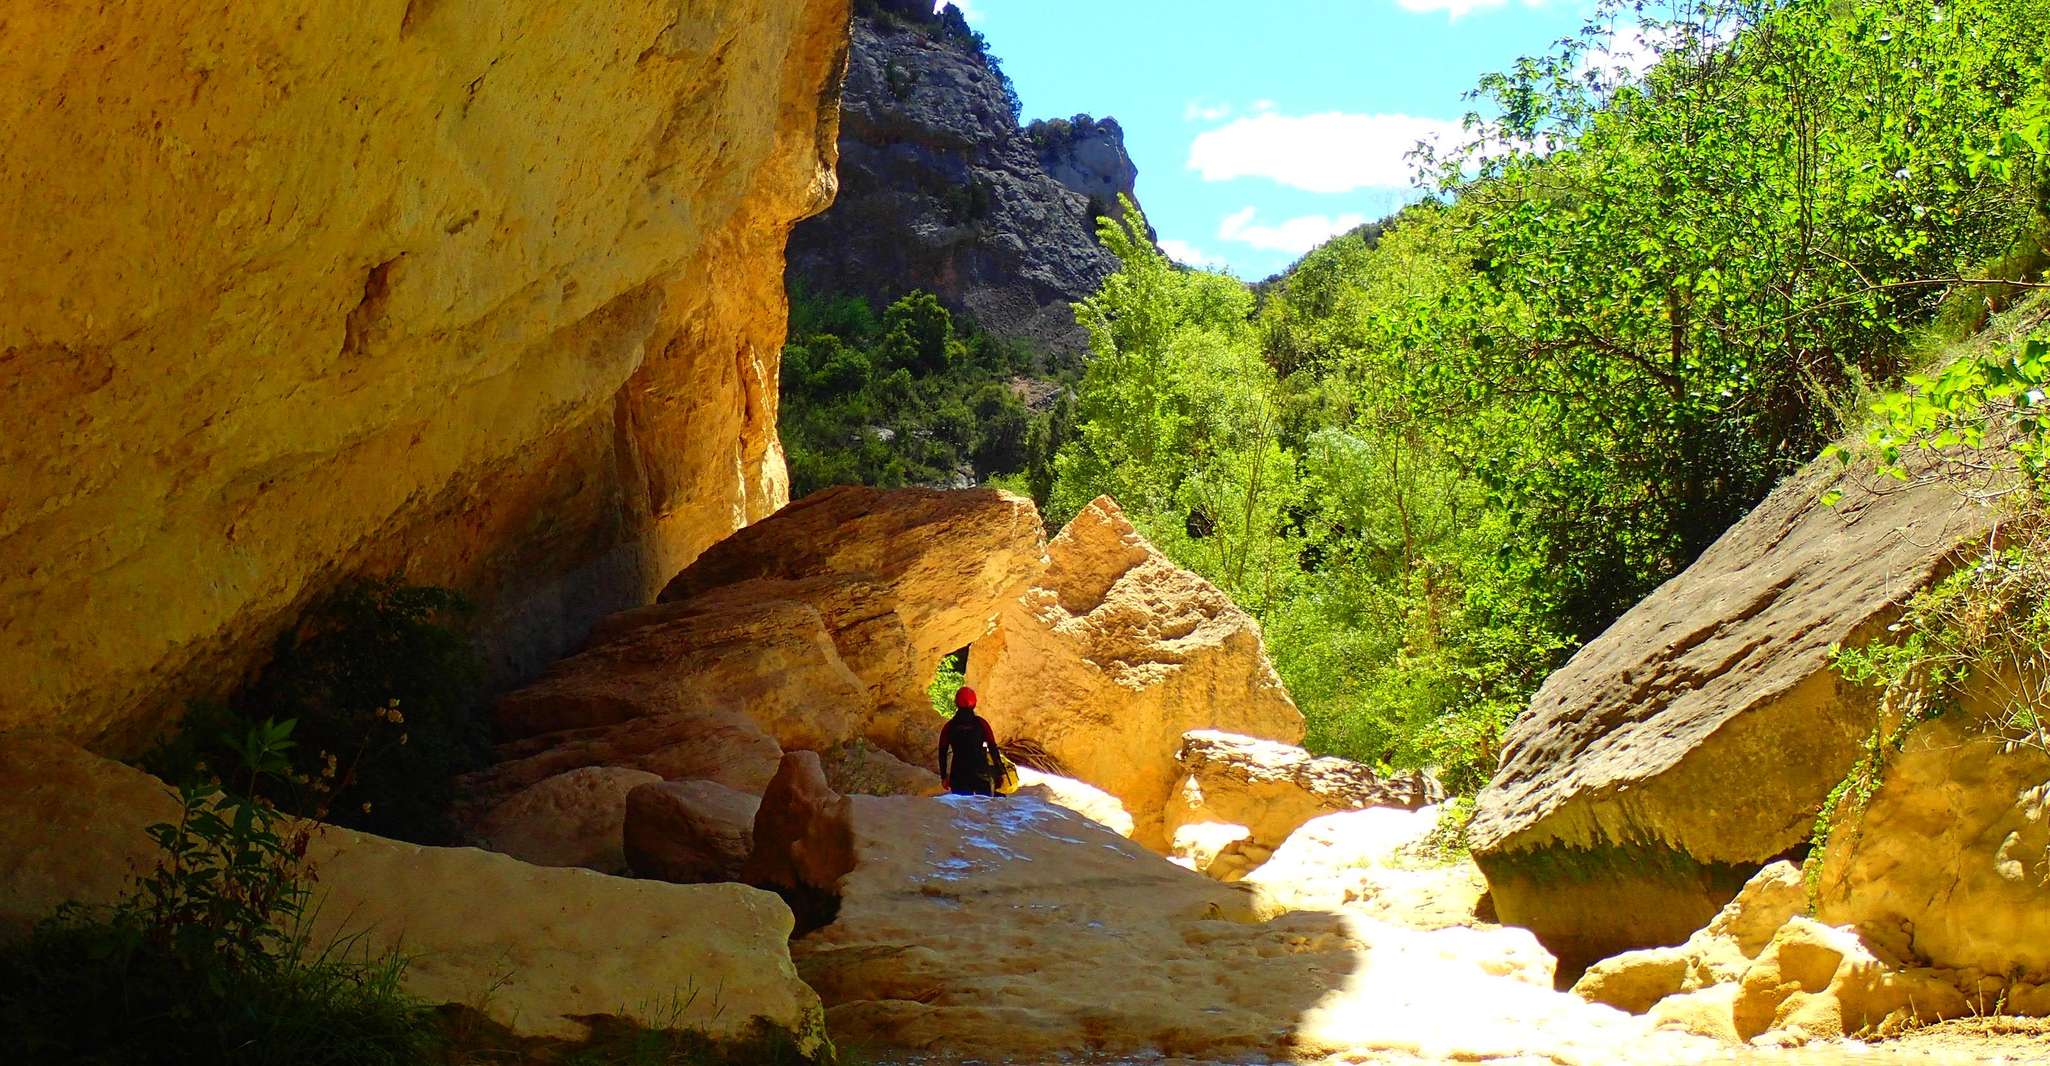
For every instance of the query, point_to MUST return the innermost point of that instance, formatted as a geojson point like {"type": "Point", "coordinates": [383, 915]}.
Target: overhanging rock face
{"type": "Point", "coordinates": [1696, 739]}
{"type": "Point", "coordinates": [485, 290]}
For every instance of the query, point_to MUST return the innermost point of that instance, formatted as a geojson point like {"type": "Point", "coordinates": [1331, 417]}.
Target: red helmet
{"type": "Point", "coordinates": [964, 697]}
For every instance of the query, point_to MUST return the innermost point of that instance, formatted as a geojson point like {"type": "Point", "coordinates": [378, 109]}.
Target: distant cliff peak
{"type": "Point", "coordinates": [941, 189]}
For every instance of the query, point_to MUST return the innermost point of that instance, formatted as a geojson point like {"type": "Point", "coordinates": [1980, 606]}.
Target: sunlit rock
{"type": "Point", "coordinates": [1269, 789]}
{"type": "Point", "coordinates": [487, 291]}
{"type": "Point", "coordinates": [1114, 654]}
{"type": "Point", "coordinates": [1695, 740]}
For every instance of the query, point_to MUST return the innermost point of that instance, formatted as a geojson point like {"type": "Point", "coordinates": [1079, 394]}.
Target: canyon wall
{"type": "Point", "coordinates": [486, 292]}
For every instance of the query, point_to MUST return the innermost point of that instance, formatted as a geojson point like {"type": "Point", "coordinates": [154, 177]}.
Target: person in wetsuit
{"type": "Point", "coordinates": [967, 737]}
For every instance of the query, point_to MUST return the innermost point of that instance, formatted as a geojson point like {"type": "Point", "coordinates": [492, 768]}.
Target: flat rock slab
{"type": "Point", "coordinates": [1015, 929]}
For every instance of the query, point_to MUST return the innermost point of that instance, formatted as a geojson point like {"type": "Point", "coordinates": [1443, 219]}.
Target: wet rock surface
{"type": "Point", "coordinates": [1013, 929]}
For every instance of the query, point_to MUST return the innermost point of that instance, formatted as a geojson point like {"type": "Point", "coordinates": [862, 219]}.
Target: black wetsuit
{"type": "Point", "coordinates": [974, 747]}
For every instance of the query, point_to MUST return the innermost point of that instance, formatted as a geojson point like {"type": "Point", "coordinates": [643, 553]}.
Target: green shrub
{"type": "Point", "coordinates": [209, 962]}
{"type": "Point", "coordinates": [386, 691]}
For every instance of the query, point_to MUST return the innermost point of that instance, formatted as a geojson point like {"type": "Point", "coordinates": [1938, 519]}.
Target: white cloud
{"type": "Point", "coordinates": [1625, 53]}
{"type": "Point", "coordinates": [968, 9]}
{"type": "Point", "coordinates": [1294, 236]}
{"type": "Point", "coordinates": [1204, 111]}
{"type": "Point", "coordinates": [1188, 254]}
{"type": "Point", "coordinates": [1456, 9]}
{"type": "Point", "coordinates": [1331, 152]}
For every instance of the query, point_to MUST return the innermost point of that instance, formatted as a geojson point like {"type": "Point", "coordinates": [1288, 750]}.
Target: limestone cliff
{"type": "Point", "coordinates": [942, 191]}
{"type": "Point", "coordinates": [490, 292]}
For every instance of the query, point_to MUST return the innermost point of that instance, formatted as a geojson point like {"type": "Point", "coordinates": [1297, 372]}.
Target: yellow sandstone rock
{"type": "Point", "coordinates": [487, 290]}
{"type": "Point", "coordinates": [538, 950]}
{"type": "Point", "coordinates": [1265, 790]}
{"type": "Point", "coordinates": [1015, 929]}
{"type": "Point", "coordinates": [1950, 861]}
{"type": "Point", "coordinates": [572, 819]}
{"type": "Point", "coordinates": [1114, 654]}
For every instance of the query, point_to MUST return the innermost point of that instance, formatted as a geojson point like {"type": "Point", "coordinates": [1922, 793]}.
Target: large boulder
{"type": "Point", "coordinates": [490, 291]}
{"type": "Point", "coordinates": [1695, 740]}
{"type": "Point", "coordinates": [689, 832]}
{"type": "Point", "coordinates": [823, 623]}
{"type": "Point", "coordinates": [1268, 789]}
{"type": "Point", "coordinates": [571, 819]}
{"type": "Point", "coordinates": [541, 951]}
{"type": "Point", "coordinates": [1114, 654]}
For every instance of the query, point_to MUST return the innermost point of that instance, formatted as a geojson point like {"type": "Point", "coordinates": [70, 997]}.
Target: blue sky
{"type": "Point", "coordinates": [1260, 129]}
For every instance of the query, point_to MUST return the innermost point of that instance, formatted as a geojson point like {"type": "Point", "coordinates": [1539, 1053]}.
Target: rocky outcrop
{"type": "Point", "coordinates": [1763, 972]}
{"type": "Point", "coordinates": [540, 951]}
{"type": "Point", "coordinates": [1087, 154]}
{"type": "Point", "coordinates": [689, 832]}
{"type": "Point", "coordinates": [1696, 739]}
{"type": "Point", "coordinates": [490, 292]}
{"type": "Point", "coordinates": [1116, 653]}
{"type": "Point", "coordinates": [941, 190]}
{"type": "Point", "coordinates": [898, 579]}
{"type": "Point", "coordinates": [1948, 863]}
{"type": "Point", "coordinates": [571, 819]}
{"type": "Point", "coordinates": [822, 624]}
{"type": "Point", "coordinates": [1240, 797]}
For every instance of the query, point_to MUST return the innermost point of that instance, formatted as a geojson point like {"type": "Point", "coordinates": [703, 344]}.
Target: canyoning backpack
{"type": "Point", "coordinates": [1006, 775]}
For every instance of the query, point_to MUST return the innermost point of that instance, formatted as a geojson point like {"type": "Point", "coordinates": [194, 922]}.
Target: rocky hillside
{"type": "Point", "coordinates": [491, 292]}
{"type": "Point", "coordinates": [941, 190]}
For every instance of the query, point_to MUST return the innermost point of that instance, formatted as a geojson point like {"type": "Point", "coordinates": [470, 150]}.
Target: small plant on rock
{"type": "Point", "coordinates": [210, 960]}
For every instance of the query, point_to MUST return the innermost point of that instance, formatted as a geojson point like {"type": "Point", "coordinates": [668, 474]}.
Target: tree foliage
{"type": "Point", "coordinates": [906, 398]}
{"type": "Point", "coordinates": [1440, 452]}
